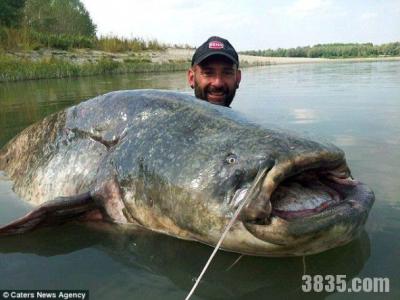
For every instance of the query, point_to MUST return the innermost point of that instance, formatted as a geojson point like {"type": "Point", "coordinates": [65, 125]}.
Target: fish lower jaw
{"type": "Point", "coordinates": [290, 200]}
{"type": "Point", "coordinates": [302, 195]}
{"type": "Point", "coordinates": [318, 230]}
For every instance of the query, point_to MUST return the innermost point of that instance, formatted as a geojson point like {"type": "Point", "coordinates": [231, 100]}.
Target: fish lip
{"type": "Point", "coordinates": [351, 212]}
{"type": "Point", "coordinates": [349, 215]}
{"type": "Point", "coordinates": [354, 200]}
{"type": "Point", "coordinates": [259, 208]}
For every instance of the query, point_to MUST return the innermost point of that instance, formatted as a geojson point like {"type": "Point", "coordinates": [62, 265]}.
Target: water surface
{"type": "Point", "coordinates": [355, 105]}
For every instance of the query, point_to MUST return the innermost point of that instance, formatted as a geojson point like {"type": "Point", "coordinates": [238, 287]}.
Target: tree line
{"type": "Point", "coordinates": [337, 50]}
{"type": "Point", "coordinates": [59, 24]}
{"type": "Point", "coordinates": [47, 16]}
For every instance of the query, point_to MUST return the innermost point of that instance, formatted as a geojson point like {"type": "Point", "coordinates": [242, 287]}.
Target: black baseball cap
{"type": "Point", "coordinates": [215, 45]}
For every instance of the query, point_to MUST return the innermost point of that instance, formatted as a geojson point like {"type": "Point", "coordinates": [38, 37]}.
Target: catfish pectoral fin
{"type": "Point", "coordinates": [57, 211]}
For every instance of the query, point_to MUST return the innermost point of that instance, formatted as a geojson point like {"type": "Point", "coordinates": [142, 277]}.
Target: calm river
{"type": "Point", "coordinates": [355, 105]}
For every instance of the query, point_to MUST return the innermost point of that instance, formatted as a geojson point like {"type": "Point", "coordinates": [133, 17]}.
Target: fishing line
{"type": "Point", "coordinates": [227, 228]}
{"type": "Point", "coordinates": [234, 263]}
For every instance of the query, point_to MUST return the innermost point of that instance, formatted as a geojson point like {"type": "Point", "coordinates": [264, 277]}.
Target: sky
{"type": "Point", "coordinates": [250, 24]}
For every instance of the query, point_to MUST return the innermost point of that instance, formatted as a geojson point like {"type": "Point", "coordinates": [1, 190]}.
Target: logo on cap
{"type": "Point", "coordinates": [216, 45]}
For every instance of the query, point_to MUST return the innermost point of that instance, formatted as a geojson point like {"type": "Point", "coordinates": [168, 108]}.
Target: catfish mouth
{"type": "Point", "coordinates": [310, 193]}
{"type": "Point", "coordinates": [305, 205]}
{"type": "Point", "coordinates": [302, 189]}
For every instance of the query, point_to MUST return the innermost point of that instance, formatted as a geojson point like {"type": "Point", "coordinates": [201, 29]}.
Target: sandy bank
{"type": "Point", "coordinates": [186, 55]}
{"type": "Point", "coordinates": [81, 56]}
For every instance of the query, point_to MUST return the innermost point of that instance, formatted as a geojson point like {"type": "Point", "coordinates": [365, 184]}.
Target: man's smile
{"type": "Point", "coordinates": [216, 96]}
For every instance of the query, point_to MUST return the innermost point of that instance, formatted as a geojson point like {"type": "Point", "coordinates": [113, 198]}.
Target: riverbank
{"type": "Point", "coordinates": [50, 63]}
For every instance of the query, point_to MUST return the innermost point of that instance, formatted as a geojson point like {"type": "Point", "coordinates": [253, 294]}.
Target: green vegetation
{"type": "Point", "coordinates": [66, 24]}
{"type": "Point", "coordinates": [33, 25]}
{"type": "Point", "coordinates": [115, 44]}
{"type": "Point", "coordinates": [333, 51]}
{"type": "Point", "coordinates": [68, 17]}
{"type": "Point", "coordinates": [19, 69]}
{"type": "Point", "coordinates": [12, 39]}
{"type": "Point", "coordinates": [11, 12]}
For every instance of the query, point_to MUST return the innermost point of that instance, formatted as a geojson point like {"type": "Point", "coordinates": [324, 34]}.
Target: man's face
{"type": "Point", "coordinates": [215, 80]}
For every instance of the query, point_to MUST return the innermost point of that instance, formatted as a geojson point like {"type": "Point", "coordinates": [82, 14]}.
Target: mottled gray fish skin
{"type": "Point", "coordinates": [173, 164]}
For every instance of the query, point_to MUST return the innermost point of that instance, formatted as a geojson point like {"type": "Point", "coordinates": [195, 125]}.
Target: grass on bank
{"type": "Point", "coordinates": [14, 39]}
{"type": "Point", "coordinates": [25, 39]}
{"type": "Point", "coordinates": [22, 69]}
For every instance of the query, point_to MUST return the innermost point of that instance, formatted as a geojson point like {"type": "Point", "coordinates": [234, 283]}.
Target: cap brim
{"type": "Point", "coordinates": [201, 58]}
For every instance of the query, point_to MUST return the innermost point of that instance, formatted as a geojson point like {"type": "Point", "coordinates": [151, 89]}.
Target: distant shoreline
{"type": "Point", "coordinates": [172, 54]}
{"type": "Point", "coordinates": [51, 63]}
{"type": "Point", "coordinates": [250, 60]}
{"type": "Point", "coordinates": [301, 60]}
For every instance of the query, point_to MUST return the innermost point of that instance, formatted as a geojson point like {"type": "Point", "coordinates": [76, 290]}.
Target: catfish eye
{"type": "Point", "coordinates": [231, 159]}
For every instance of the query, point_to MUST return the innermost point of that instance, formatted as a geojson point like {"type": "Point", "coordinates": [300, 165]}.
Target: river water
{"type": "Point", "coordinates": [355, 105]}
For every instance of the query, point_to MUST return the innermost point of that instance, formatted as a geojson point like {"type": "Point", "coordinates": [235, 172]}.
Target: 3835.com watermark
{"type": "Point", "coordinates": [338, 283]}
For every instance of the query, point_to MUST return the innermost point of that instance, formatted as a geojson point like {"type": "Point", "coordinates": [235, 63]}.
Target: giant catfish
{"type": "Point", "coordinates": [170, 163]}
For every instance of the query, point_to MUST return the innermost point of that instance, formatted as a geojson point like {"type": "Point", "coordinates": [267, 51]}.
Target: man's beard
{"type": "Point", "coordinates": [202, 94]}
